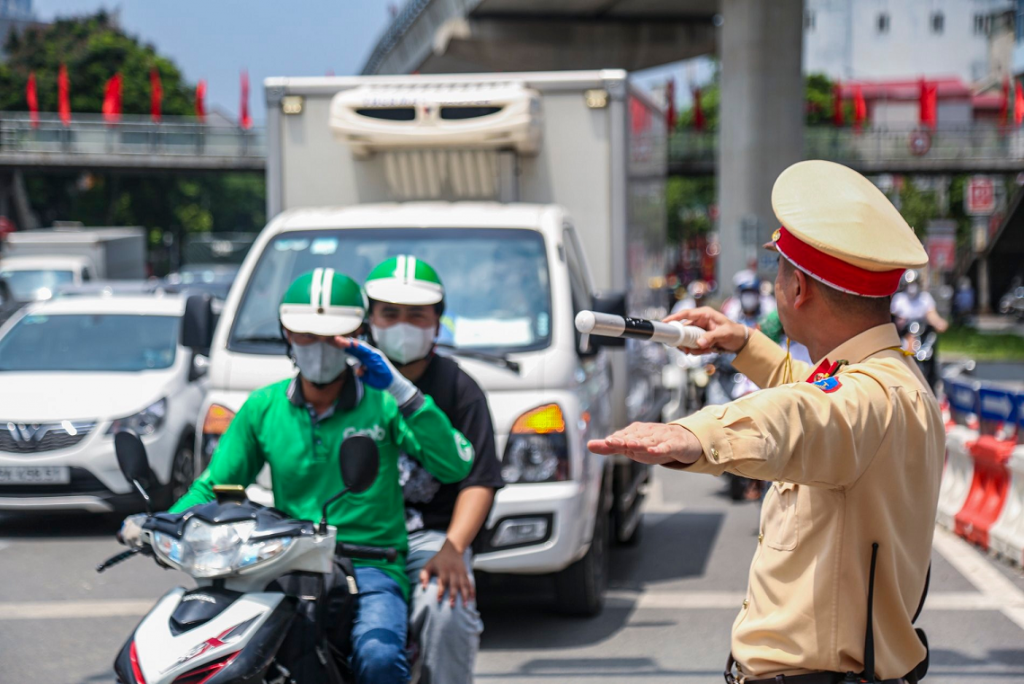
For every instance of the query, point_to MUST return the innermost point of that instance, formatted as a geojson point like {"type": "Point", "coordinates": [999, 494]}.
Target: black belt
{"type": "Point", "coordinates": [809, 678]}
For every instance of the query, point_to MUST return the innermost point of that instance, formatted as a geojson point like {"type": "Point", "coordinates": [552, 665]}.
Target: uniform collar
{"type": "Point", "coordinates": [351, 392]}
{"type": "Point", "coordinates": [867, 343]}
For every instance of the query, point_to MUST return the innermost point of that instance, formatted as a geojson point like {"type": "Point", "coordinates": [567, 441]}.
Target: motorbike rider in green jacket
{"type": "Point", "coordinates": [296, 426]}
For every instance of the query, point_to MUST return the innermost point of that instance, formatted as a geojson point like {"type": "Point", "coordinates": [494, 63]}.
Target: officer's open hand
{"type": "Point", "coordinates": [723, 334]}
{"type": "Point", "coordinates": [651, 443]}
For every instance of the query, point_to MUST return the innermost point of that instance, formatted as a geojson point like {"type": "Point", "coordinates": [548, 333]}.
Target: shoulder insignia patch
{"type": "Point", "coordinates": [828, 385]}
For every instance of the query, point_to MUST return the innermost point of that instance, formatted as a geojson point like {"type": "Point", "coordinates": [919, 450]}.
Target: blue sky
{"type": "Point", "coordinates": [216, 39]}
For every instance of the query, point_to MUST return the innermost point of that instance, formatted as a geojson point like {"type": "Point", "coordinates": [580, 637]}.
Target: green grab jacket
{"type": "Point", "coordinates": [274, 427]}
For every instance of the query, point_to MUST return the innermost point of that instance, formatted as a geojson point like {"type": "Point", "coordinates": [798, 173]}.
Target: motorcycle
{"type": "Point", "coordinates": [274, 598]}
{"type": "Point", "coordinates": [920, 338]}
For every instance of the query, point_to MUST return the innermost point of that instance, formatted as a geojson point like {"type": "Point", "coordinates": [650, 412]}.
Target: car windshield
{"type": "Point", "coordinates": [25, 284]}
{"type": "Point", "coordinates": [496, 282]}
{"type": "Point", "coordinates": [90, 342]}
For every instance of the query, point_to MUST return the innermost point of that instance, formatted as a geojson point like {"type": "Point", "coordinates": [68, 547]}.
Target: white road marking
{"type": "Point", "coordinates": [48, 610]}
{"type": "Point", "coordinates": [979, 572]}
{"type": "Point", "coordinates": [656, 502]}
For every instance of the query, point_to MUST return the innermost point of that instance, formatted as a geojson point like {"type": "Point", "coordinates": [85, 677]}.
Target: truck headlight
{"type": "Point", "coordinates": [215, 424]}
{"type": "Point", "coordinates": [145, 422]}
{"type": "Point", "coordinates": [537, 450]}
{"type": "Point", "coordinates": [206, 550]}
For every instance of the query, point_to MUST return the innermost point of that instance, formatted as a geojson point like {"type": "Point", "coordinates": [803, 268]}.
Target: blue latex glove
{"type": "Point", "coordinates": [378, 372]}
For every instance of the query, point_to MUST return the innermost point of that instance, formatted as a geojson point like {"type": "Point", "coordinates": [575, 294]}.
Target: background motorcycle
{"type": "Point", "coordinates": [250, 619]}
{"type": "Point", "coordinates": [920, 338]}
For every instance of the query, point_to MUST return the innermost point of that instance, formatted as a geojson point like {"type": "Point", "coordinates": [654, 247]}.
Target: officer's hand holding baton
{"type": "Point", "coordinates": [722, 334]}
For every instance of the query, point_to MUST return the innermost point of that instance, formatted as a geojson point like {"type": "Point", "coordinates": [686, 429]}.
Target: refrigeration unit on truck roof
{"type": "Point", "coordinates": [473, 116]}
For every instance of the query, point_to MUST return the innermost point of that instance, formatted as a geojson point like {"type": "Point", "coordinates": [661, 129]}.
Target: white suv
{"type": "Point", "coordinates": [76, 370]}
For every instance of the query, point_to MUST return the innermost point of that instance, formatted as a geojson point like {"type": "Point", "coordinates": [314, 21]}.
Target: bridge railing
{"type": "Point", "coordinates": [876, 146]}
{"type": "Point", "coordinates": [89, 134]}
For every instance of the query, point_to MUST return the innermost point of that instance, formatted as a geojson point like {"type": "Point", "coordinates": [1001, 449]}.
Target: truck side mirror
{"type": "Point", "coordinates": [197, 324]}
{"type": "Point", "coordinates": [609, 303]}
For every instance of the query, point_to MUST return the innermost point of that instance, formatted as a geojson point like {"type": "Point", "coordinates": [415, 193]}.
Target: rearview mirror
{"type": "Point", "coordinates": [197, 323]}
{"type": "Point", "coordinates": [132, 459]}
{"type": "Point", "coordinates": [359, 463]}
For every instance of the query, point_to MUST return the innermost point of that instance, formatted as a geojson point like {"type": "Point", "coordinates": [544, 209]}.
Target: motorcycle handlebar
{"type": "Point", "coordinates": [366, 552]}
{"type": "Point", "coordinates": [119, 558]}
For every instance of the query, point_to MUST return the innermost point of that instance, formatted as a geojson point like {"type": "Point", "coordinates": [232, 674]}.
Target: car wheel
{"type": "Point", "coordinates": [182, 470]}
{"type": "Point", "coordinates": [579, 589]}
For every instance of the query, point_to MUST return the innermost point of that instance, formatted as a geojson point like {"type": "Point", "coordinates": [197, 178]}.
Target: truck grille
{"type": "Point", "coordinates": [31, 438]}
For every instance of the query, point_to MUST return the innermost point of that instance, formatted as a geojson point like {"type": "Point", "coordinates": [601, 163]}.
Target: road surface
{"type": "Point", "coordinates": [670, 607]}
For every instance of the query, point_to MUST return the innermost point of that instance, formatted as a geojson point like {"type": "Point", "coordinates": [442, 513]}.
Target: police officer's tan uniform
{"type": "Point", "coordinates": [856, 458]}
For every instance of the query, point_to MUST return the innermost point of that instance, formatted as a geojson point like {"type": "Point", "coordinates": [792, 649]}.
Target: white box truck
{"type": "Point", "coordinates": [534, 195]}
{"type": "Point", "coordinates": [36, 263]}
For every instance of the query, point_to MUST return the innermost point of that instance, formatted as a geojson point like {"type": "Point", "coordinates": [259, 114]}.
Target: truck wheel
{"type": "Point", "coordinates": [636, 536]}
{"type": "Point", "coordinates": [579, 589]}
{"type": "Point", "coordinates": [182, 475]}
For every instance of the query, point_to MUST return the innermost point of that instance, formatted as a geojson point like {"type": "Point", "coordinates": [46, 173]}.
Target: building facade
{"type": "Point", "coordinates": [888, 39]}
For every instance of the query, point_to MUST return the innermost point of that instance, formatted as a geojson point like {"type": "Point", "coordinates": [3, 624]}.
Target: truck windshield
{"type": "Point", "coordinates": [26, 284]}
{"type": "Point", "coordinates": [90, 343]}
{"type": "Point", "coordinates": [497, 292]}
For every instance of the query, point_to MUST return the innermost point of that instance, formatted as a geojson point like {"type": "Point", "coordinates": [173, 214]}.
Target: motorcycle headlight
{"type": "Point", "coordinates": [206, 550]}
{"type": "Point", "coordinates": [537, 450]}
{"type": "Point", "coordinates": [145, 422]}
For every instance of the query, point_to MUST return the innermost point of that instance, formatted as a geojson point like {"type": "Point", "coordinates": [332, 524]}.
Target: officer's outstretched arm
{"type": "Point", "coordinates": [237, 460]}
{"type": "Point", "coordinates": [427, 435]}
{"type": "Point", "coordinates": [764, 362]}
{"type": "Point", "coordinates": [822, 434]}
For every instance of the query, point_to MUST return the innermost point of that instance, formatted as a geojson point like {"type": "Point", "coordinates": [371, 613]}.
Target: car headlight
{"type": "Point", "coordinates": [206, 550]}
{"type": "Point", "coordinates": [537, 450]}
{"type": "Point", "coordinates": [145, 422]}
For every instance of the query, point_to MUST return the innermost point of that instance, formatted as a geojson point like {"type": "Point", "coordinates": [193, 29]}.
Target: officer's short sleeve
{"type": "Point", "coordinates": [823, 434]}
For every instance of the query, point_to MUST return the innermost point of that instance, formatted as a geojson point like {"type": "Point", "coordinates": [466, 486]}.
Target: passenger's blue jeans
{"type": "Point", "coordinates": [379, 632]}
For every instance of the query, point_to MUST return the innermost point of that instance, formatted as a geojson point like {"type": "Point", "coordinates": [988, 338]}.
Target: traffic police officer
{"type": "Point", "coordinates": [855, 446]}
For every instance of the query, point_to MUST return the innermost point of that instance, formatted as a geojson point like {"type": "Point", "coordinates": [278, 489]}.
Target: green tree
{"type": "Point", "coordinates": [94, 48]}
{"type": "Point", "coordinates": [688, 201]}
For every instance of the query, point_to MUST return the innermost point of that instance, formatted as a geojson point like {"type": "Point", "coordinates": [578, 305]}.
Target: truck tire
{"type": "Point", "coordinates": [182, 474]}
{"type": "Point", "coordinates": [579, 589]}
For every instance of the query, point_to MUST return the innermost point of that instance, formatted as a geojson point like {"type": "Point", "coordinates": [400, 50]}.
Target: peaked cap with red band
{"type": "Point", "coordinates": [838, 228]}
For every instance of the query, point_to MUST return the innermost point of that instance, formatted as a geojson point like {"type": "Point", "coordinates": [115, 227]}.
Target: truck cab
{"type": "Point", "coordinates": [35, 278]}
{"type": "Point", "coordinates": [534, 196]}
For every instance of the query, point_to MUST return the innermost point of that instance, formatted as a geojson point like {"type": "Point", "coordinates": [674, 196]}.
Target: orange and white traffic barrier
{"type": "Point", "coordinates": [959, 470]}
{"type": "Point", "coordinates": [991, 453]}
{"type": "Point", "coordinates": [1007, 534]}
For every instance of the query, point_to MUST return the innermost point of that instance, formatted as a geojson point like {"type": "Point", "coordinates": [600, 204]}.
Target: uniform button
{"type": "Point", "coordinates": [746, 602]}
{"type": "Point", "coordinates": [760, 538]}
{"type": "Point", "coordinates": [714, 452]}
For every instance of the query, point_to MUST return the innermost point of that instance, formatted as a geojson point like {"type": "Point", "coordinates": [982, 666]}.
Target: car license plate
{"type": "Point", "coordinates": [29, 475]}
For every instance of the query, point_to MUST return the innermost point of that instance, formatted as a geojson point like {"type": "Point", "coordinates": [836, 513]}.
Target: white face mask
{"type": "Point", "coordinates": [749, 301]}
{"type": "Point", "coordinates": [404, 342]}
{"type": "Point", "coordinates": [320, 363]}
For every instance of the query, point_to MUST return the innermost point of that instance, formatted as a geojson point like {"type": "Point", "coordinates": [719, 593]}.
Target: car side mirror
{"type": "Point", "coordinates": [197, 323]}
{"type": "Point", "coordinates": [200, 367]}
{"type": "Point", "coordinates": [609, 303]}
{"type": "Point", "coordinates": [133, 462]}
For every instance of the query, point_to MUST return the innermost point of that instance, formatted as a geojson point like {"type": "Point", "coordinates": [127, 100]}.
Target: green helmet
{"type": "Point", "coordinates": [405, 279]}
{"type": "Point", "coordinates": [323, 302]}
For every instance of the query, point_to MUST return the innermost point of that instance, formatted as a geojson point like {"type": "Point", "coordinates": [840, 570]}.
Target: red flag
{"type": "Point", "coordinates": [33, 100]}
{"type": "Point", "coordinates": [112, 100]}
{"type": "Point", "coordinates": [1004, 107]}
{"type": "Point", "coordinates": [929, 104]}
{"type": "Point", "coordinates": [837, 105]}
{"type": "Point", "coordinates": [244, 120]}
{"type": "Point", "coordinates": [156, 95]}
{"type": "Point", "coordinates": [860, 107]}
{"type": "Point", "coordinates": [63, 96]}
{"type": "Point", "coordinates": [698, 111]}
{"type": "Point", "coordinates": [201, 101]}
{"type": "Point", "coordinates": [1018, 105]}
{"type": "Point", "coordinates": [670, 102]}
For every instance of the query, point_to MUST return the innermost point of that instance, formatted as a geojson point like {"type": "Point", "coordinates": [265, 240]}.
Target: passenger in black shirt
{"type": "Point", "coordinates": [406, 304]}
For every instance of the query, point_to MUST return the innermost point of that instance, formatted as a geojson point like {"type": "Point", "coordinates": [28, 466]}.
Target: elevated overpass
{"type": "Point", "coordinates": [759, 42]}
{"type": "Point", "coordinates": [134, 144]}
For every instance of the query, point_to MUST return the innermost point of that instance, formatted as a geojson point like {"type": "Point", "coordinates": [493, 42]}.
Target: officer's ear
{"type": "Point", "coordinates": [801, 288]}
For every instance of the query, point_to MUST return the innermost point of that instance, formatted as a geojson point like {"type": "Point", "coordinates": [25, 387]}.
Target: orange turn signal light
{"type": "Point", "coordinates": [543, 420]}
{"type": "Point", "coordinates": [217, 420]}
